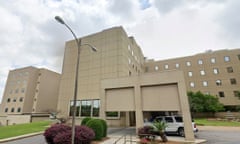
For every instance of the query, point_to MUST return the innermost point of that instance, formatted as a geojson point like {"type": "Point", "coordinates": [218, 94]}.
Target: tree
{"type": "Point", "coordinates": [200, 102]}
{"type": "Point", "coordinates": [160, 125]}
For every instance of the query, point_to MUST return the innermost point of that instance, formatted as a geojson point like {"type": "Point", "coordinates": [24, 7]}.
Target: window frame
{"type": "Point", "coordinates": [213, 60]}
{"type": "Point", "coordinates": [202, 72]}
{"type": "Point", "coordinates": [200, 62]}
{"type": "Point", "coordinates": [226, 58]}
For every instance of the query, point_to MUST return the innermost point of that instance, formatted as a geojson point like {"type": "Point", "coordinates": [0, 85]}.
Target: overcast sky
{"type": "Point", "coordinates": [29, 35]}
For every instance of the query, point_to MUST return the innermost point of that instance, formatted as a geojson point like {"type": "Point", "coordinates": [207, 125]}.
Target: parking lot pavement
{"type": "Point", "coordinates": [219, 135]}
{"type": "Point", "coordinates": [218, 128]}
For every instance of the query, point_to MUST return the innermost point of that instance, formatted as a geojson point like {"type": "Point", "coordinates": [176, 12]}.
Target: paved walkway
{"type": "Point", "coordinates": [129, 134]}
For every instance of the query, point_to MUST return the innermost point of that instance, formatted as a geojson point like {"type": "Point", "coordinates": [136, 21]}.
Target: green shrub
{"type": "Point", "coordinates": [97, 126]}
{"type": "Point", "coordinates": [85, 120]}
{"type": "Point", "coordinates": [105, 127]}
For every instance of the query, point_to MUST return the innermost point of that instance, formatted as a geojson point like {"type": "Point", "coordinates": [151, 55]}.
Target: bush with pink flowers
{"type": "Point", "coordinates": [55, 129]}
{"type": "Point", "coordinates": [61, 134]}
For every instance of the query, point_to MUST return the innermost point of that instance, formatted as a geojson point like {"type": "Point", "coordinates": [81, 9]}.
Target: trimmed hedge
{"type": "Point", "coordinates": [97, 126]}
{"type": "Point", "coordinates": [105, 127]}
{"type": "Point", "coordinates": [85, 120]}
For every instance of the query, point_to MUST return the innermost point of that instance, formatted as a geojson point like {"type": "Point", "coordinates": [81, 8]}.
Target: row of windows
{"type": "Point", "coordinates": [15, 99]}
{"type": "Point", "coordinates": [221, 94]}
{"type": "Point", "coordinates": [215, 71]}
{"type": "Point", "coordinates": [20, 74]}
{"type": "Point", "coordinates": [13, 110]}
{"type": "Point", "coordinates": [17, 82]}
{"type": "Point", "coordinates": [132, 53]}
{"type": "Point", "coordinates": [200, 62]}
{"type": "Point", "coordinates": [218, 82]}
{"type": "Point", "coordinates": [17, 91]}
{"type": "Point", "coordinates": [85, 108]}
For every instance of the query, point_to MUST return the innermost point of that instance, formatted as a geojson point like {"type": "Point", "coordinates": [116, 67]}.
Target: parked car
{"type": "Point", "coordinates": [174, 124]}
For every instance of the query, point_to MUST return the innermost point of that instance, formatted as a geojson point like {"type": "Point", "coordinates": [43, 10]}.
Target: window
{"type": "Point", "coordinates": [229, 69]}
{"type": "Point", "coordinates": [205, 83]}
{"type": "Point", "coordinates": [207, 93]}
{"type": "Point", "coordinates": [129, 73]}
{"type": "Point", "coordinates": [112, 114]}
{"type": "Point", "coordinates": [221, 94]}
{"type": "Point", "coordinates": [169, 119]}
{"type": "Point", "coordinates": [86, 108]}
{"type": "Point", "coordinates": [213, 60]}
{"type": "Point", "coordinates": [236, 93]}
{"type": "Point", "coordinates": [96, 107]}
{"type": "Point", "coordinates": [6, 110]}
{"type": "Point", "coordinates": [129, 48]}
{"type": "Point", "coordinates": [177, 65]}
{"type": "Point", "coordinates": [19, 109]}
{"type": "Point", "coordinates": [21, 99]}
{"type": "Point", "coordinates": [166, 66]}
{"type": "Point", "coordinates": [215, 71]}
{"type": "Point", "coordinates": [14, 99]}
{"type": "Point", "coordinates": [226, 58]}
{"type": "Point", "coordinates": [190, 74]}
{"type": "Point", "coordinates": [23, 90]}
{"type": "Point", "coordinates": [12, 110]}
{"type": "Point", "coordinates": [188, 63]}
{"type": "Point", "coordinates": [233, 81]}
{"type": "Point", "coordinates": [192, 84]}
{"type": "Point", "coordinates": [218, 82]}
{"type": "Point", "coordinates": [129, 61]}
{"type": "Point", "coordinates": [178, 119]}
{"type": "Point", "coordinates": [202, 72]}
{"type": "Point", "coordinates": [16, 91]}
{"type": "Point", "coordinates": [200, 62]}
{"type": "Point", "coordinates": [238, 56]}
{"type": "Point", "coordinates": [156, 68]}
{"type": "Point", "coordinates": [8, 100]}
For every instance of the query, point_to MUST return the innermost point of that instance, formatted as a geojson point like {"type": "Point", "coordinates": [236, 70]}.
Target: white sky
{"type": "Point", "coordinates": [30, 36]}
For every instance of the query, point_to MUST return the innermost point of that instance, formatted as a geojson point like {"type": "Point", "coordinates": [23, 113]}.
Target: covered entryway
{"type": "Point", "coordinates": [153, 93]}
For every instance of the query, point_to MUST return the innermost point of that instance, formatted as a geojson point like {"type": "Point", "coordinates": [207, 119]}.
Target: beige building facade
{"type": "Point", "coordinates": [112, 83]}
{"type": "Point", "coordinates": [29, 91]}
{"type": "Point", "coordinates": [213, 72]}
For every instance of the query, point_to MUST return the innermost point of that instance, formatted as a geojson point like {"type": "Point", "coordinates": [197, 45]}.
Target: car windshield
{"type": "Point", "coordinates": [179, 119]}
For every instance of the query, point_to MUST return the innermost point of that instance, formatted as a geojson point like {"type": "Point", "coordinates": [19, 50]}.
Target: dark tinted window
{"type": "Point", "coordinates": [159, 119]}
{"type": "Point", "coordinates": [178, 119]}
{"type": "Point", "coordinates": [169, 119]}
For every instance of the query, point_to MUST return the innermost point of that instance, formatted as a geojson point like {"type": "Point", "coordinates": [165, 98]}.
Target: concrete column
{"type": "Point", "coordinates": [138, 106]}
{"type": "Point", "coordinates": [127, 121]}
{"type": "Point", "coordinates": [102, 103]}
{"type": "Point", "coordinates": [183, 98]}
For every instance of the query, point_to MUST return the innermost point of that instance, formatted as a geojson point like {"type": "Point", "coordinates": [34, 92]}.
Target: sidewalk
{"type": "Point", "coordinates": [129, 134]}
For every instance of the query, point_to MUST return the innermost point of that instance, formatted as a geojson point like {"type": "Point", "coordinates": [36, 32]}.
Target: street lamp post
{"type": "Point", "coordinates": [60, 20]}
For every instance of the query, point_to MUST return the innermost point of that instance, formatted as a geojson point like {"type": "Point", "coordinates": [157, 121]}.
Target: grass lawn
{"type": "Point", "coordinates": [21, 129]}
{"type": "Point", "coordinates": [212, 122]}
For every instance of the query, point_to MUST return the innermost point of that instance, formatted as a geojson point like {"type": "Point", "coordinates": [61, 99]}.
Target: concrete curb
{"type": "Point", "coordinates": [20, 137]}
